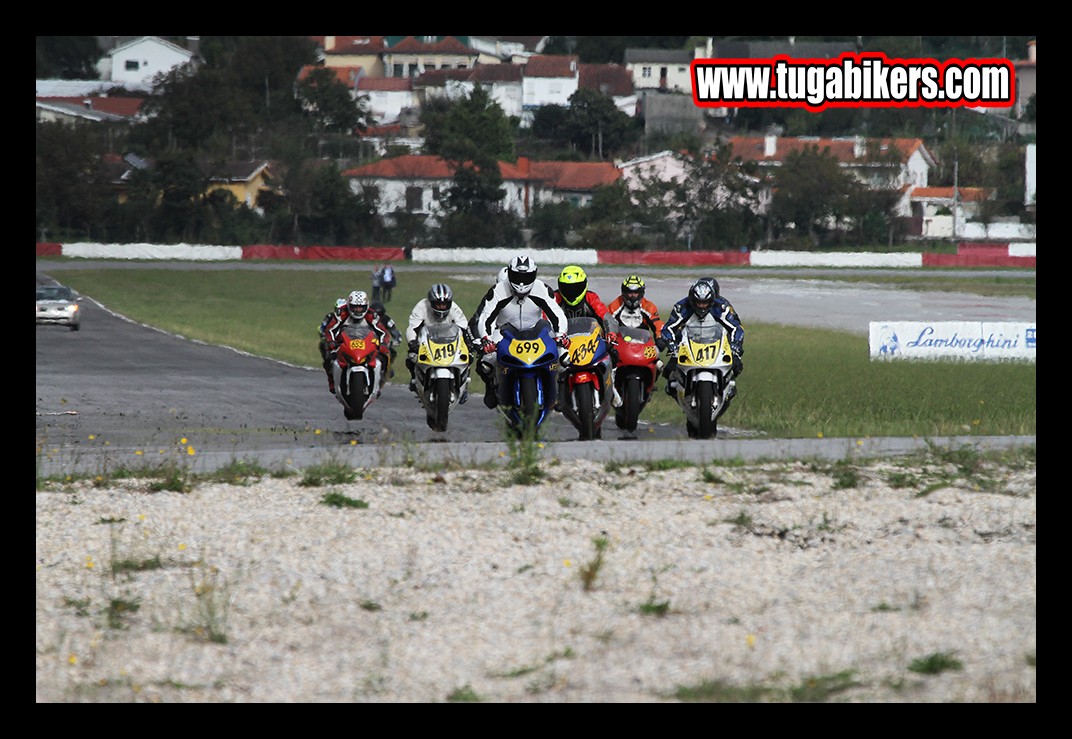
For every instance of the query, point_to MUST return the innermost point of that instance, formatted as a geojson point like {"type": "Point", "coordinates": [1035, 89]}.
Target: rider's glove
{"type": "Point", "coordinates": [613, 339]}
{"type": "Point", "coordinates": [487, 346]}
{"type": "Point", "coordinates": [412, 346]}
{"type": "Point", "coordinates": [563, 341]}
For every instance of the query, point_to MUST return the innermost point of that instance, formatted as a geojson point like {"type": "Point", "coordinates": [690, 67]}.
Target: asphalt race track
{"type": "Point", "coordinates": [120, 394]}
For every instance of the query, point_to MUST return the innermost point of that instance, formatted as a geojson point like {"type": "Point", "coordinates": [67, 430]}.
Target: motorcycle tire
{"type": "Point", "coordinates": [440, 408]}
{"type": "Point", "coordinates": [355, 397]}
{"type": "Point", "coordinates": [632, 402]}
{"type": "Point", "coordinates": [586, 416]}
{"type": "Point", "coordinates": [529, 410]}
{"type": "Point", "coordinates": [705, 422]}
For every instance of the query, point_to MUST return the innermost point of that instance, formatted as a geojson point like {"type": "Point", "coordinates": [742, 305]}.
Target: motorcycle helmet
{"type": "Point", "coordinates": [714, 285]}
{"type": "Point", "coordinates": [357, 303]}
{"type": "Point", "coordinates": [440, 298]}
{"type": "Point", "coordinates": [521, 272]}
{"type": "Point", "coordinates": [572, 285]}
{"type": "Point", "coordinates": [340, 302]}
{"type": "Point", "coordinates": [632, 291]}
{"type": "Point", "coordinates": [701, 298]}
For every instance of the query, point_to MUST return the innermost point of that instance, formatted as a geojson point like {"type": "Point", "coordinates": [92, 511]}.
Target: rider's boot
{"type": "Point", "coordinates": [331, 384]}
{"type": "Point", "coordinates": [487, 373]}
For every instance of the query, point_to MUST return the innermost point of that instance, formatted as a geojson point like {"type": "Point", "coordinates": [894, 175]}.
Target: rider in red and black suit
{"type": "Point", "coordinates": [578, 301]}
{"type": "Point", "coordinates": [356, 309]}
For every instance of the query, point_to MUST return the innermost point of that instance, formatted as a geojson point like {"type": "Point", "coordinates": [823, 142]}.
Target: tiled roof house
{"type": "Point", "coordinates": [415, 183]}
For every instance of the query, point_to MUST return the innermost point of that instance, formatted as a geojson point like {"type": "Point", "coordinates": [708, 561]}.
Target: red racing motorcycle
{"type": "Point", "coordinates": [636, 372]}
{"type": "Point", "coordinates": [359, 368]}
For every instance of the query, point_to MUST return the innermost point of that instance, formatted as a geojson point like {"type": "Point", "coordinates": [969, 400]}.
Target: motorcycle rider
{"type": "Point", "coordinates": [703, 300]}
{"type": "Point", "coordinates": [388, 323]}
{"type": "Point", "coordinates": [578, 301]}
{"type": "Point", "coordinates": [323, 344]}
{"type": "Point", "coordinates": [437, 308]}
{"type": "Point", "coordinates": [632, 309]}
{"type": "Point", "coordinates": [353, 312]}
{"type": "Point", "coordinates": [521, 299]}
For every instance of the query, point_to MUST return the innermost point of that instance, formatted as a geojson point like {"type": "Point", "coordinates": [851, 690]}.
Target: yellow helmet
{"type": "Point", "coordinates": [573, 284]}
{"type": "Point", "coordinates": [632, 291]}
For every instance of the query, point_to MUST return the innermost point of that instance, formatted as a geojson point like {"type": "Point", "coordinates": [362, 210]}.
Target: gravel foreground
{"type": "Point", "coordinates": [766, 582]}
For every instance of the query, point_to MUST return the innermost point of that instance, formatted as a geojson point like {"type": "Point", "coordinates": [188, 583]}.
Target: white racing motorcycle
{"type": "Point", "coordinates": [704, 377]}
{"type": "Point", "coordinates": [441, 371]}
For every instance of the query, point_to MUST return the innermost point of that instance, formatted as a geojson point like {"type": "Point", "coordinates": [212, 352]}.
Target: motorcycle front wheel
{"type": "Point", "coordinates": [632, 402]}
{"type": "Point", "coordinates": [355, 396]}
{"type": "Point", "coordinates": [529, 410]}
{"type": "Point", "coordinates": [439, 409]}
{"type": "Point", "coordinates": [705, 421]}
{"type": "Point", "coordinates": [586, 422]}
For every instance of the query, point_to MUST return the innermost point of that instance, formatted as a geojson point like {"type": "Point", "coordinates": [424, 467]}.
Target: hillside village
{"type": "Point", "coordinates": [392, 78]}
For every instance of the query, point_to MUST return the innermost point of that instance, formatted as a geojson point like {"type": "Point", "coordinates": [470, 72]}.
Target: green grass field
{"type": "Point", "coordinates": [798, 383]}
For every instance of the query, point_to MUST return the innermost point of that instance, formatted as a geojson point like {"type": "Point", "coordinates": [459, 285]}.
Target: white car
{"type": "Point", "coordinates": [58, 304]}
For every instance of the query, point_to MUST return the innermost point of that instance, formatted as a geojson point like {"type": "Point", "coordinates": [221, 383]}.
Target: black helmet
{"type": "Point", "coordinates": [701, 298]}
{"type": "Point", "coordinates": [714, 285]}
{"type": "Point", "coordinates": [440, 298]}
{"type": "Point", "coordinates": [632, 291]}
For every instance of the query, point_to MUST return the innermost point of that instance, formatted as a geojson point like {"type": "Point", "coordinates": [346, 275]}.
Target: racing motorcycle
{"type": "Point", "coordinates": [585, 391]}
{"type": "Point", "coordinates": [637, 370]}
{"type": "Point", "coordinates": [527, 375]}
{"type": "Point", "coordinates": [441, 371]}
{"type": "Point", "coordinates": [359, 369]}
{"type": "Point", "coordinates": [704, 377]}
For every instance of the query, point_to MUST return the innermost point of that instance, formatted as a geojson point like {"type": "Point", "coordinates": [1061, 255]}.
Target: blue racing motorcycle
{"type": "Point", "coordinates": [528, 371]}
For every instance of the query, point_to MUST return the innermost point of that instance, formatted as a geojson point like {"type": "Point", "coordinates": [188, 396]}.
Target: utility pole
{"type": "Point", "coordinates": [956, 191]}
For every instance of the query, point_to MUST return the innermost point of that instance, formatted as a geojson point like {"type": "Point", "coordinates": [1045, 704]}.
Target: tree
{"type": "Point", "coordinates": [195, 110]}
{"type": "Point", "coordinates": [70, 182]}
{"type": "Point", "coordinates": [67, 57]}
{"type": "Point", "coordinates": [472, 134]}
{"type": "Point", "coordinates": [810, 193]}
{"type": "Point", "coordinates": [471, 127]}
{"type": "Point", "coordinates": [718, 201]}
{"type": "Point", "coordinates": [597, 125]}
{"type": "Point", "coordinates": [328, 101]}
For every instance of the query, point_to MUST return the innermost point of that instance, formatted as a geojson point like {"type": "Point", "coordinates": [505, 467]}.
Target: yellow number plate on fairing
{"type": "Point", "coordinates": [582, 347]}
{"type": "Point", "coordinates": [527, 350]}
{"type": "Point", "coordinates": [439, 353]}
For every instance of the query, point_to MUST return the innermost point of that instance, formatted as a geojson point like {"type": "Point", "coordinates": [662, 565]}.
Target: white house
{"type": "Point", "coordinates": [387, 96]}
{"type": "Point", "coordinates": [886, 163]}
{"type": "Point", "coordinates": [668, 70]}
{"type": "Point", "coordinates": [502, 82]}
{"type": "Point", "coordinates": [548, 80]}
{"type": "Point", "coordinates": [415, 183]}
{"type": "Point", "coordinates": [136, 63]}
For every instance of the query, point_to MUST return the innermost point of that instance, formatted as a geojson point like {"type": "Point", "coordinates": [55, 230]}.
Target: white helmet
{"type": "Point", "coordinates": [357, 301]}
{"type": "Point", "coordinates": [340, 303]}
{"type": "Point", "coordinates": [521, 272]}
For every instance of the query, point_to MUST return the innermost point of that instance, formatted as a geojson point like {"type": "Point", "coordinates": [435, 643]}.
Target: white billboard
{"type": "Point", "coordinates": [967, 340]}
